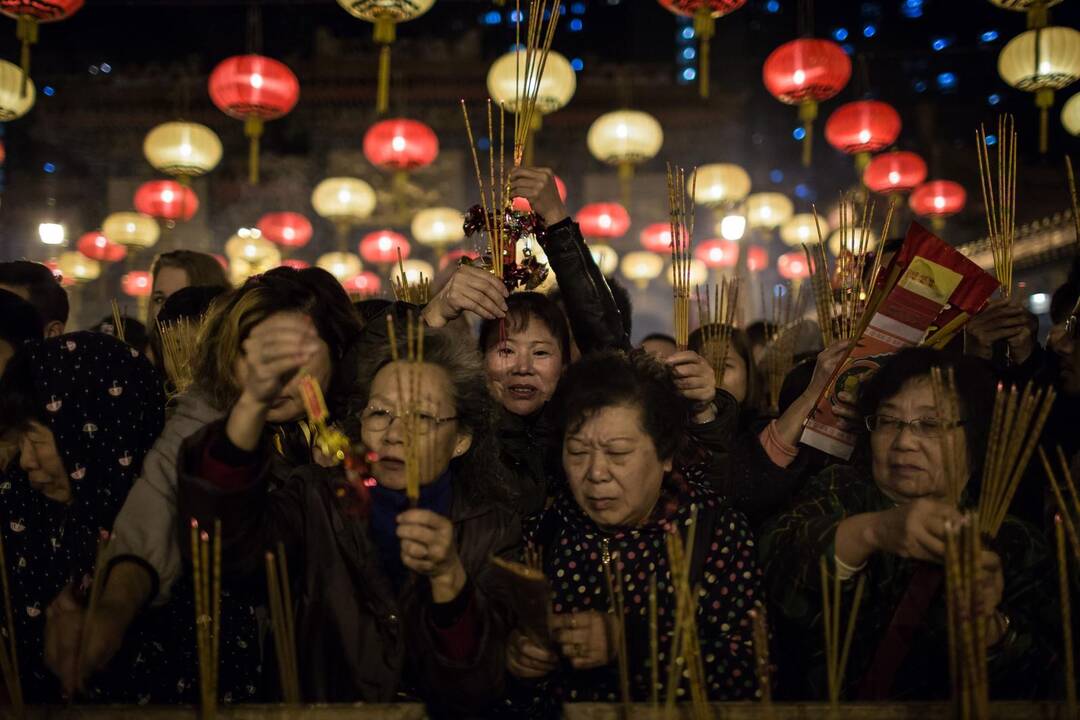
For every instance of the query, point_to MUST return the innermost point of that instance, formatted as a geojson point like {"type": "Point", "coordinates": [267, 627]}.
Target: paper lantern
{"type": "Point", "coordinates": [704, 13]}
{"type": "Point", "coordinates": [253, 88]}
{"type": "Point", "coordinates": [240, 269]}
{"type": "Point", "coordinates": [77, 267]}
{"type": "Point", "coordinates": [456, 256]}
{"type": "Point", "coordinates": [287, 229]}
{"type": "Point", "coordinates": [135, 230]}
{"type": "Point", "coordinates": [625, 138]}
{"type": "Point", "coordinates": [768, 210]}
{"type": "Point", "coordinates": [719, 185]}
{"type": "Point", "coordinates": [166, 200]}
{"type": "Point", "coordinates": [641, 266]}
{"type": "Point", "coordinates": [341, 265]}
{"type": "Point", "coordinates": [343, 200]}
{"type": "Point", "coordinates": [381, 247]}
{"type": "Point", "coordinates": [137, 283]}
{"type": "Point", "coordinates": [14, 103]}
{"type": "Point", "coordinates": [54, 268]}
{"type": "Point", "coordinates": [249, 245]}
{"type": "Point", "coordinates": [438, 227]}
{"type": "Point", "coordinates": [793, 266]}
{"type": "Point", "coordinates": [1070, 115]}
{"type": "Point", "coordinates": [851, 241]}
{"type": "Point", "coordinates": [1041, 61]}
{"type": "Point", "coordinates": [937, 200]}
{"type": "Point", "coordinates": [414, 269]}
{"type": "Point", "coordinates": [801, 229]}
{"type": "Point", "coordinates": [805, 72]}
{"type": "Point", "coordinates": [717, 253]}
{"type": "Point", "coordinates": [522, 205]}
{"type": "Point", "coordinates": [657, 238]}
{"type": "Point", "coordinates": [894, 172]}
{"type": "Point", "coordinates": [757, 258]}
{"type": "Point", "coordinates": [385, 15]}
{"type": "Point", "coordinates": [400, 144]}
{"type": "Point", "coordinates": [28, 14]}
{"type": "Point", "coordinates": [732, 227]}
{"type": "Point", "coordinates": [556, 86]}
{"type": "Point", "coordinates": [699, 273]}
{"type": "Point", "coordinates": [605, 258]}
{"type": "Point", "coordinates": [364, 284]}
{"type": "Point", "coordinates": [182, 149]}
{"type": "Point", "coordinates": [96, 246]}
{"type": "Point", "coordinates": [606, 221]}
{"type": "Point", "coordinates": [863, 126]}
{"type": "Point", "coordinates": [295, 264]}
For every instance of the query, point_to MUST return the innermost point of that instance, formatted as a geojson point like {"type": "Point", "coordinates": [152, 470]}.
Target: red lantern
{"type": "Point", "coordinates": [166, 200]}
{"type": "Point", "coordinates": [400, 144]}
{"type": "Point", "coordinates": [704, 13]}
{"type": "Point", "coordinates": [793, 266]}
{"type": "Point", "coordinates": [894, 172]}
{"type": "Point", "coordinates": [137, 283]}
{"type": "Point", "coordinates": [757, 258]}
{"type": "Point", "coordinates": [295, 264]}
{"type": "Point", "coordinates": [864, 126]}
{"type": "Point", "coordinates": [96, 246]}
{"type": "Point", "coordinates": [254, 89]}
{"type": "Point", "coordinates": [606, 221]}
{"type": "Point", "coordinates": [657, 238]}
{"type": "Point", "coordinates": [3, 153]}
{"type": "Point", "coordinates": [455, 256]}
{"type": "Point", "coordinates": [27, 14]}
{"type": "Point", "coordinates": [287, 229]}
{"type": "Point", "coordinates": [381, 247]}
{"type": "Point", "coordinates": [717, 253]}
{"type": "Point", "coordinates": [363, 284]}
{"type": "Point", "coordinates": [522, 205]}
{"type": "Point", "coordinates": [805, 72]}
{"type": "Point", "coordinates": [938, 199]}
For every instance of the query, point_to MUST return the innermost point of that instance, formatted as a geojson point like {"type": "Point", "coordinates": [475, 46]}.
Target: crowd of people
{"type": "Point", "coordinates": [546, 435]}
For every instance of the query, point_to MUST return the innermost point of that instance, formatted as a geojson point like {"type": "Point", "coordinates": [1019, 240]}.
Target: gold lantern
{"type": "Point", "coordinates": [850, 240]}
{"type": "Point", "coordinates": [78, 267]}
{"type": "Point", "coordinates": [182, 149]}
{"type": "Point", "coordinates": [438, 227]}
{"type": "Point", "coordinates": [555, 89]}
{"type": "Point", "coordinates": [625, 138]}
{"type": "Point", "coordinates": [342, 265]}
{"type": "Point", "coordinates": [719, 185]}
{"type": "Point", "coordinates": [13, 102]}
{"type": "Point", "coordinates": [768, 210]}
{"type": "Point", "coordinates": [1070, 115]}
{"type": "Point", "coordinates": [1035, 9]}
{"type": "Point", "coordinates": [699, 273]}
{"type": "Point", "coordinates": [1041, 61]}
{"type": "Point", "coordinates": [605, 258]}
{"type": "Point", "coordinates": [134, 230]}
{"type": "Point", "coordinates": [801, 229]}
{"type": "Point", "coordinates": [641, 266]}
{"type": "Point", "coordinates": [248, 245]}
{"type": "Point", "coordinates": [415, 268]}
{"type": "Point", "coordinates": [344, 201]}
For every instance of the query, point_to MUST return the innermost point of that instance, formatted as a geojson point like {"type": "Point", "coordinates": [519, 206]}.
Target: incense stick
{"type": "Point", "coordinates": [538, 41]}
{"type": "Point", "coordinates": [207, 579]}
{"type": "Point", "coordinates": [179, 344]}
{"type": "Point", "coordinates": [946, 399]}
{"type": "Point", "coordinates": [1073, 199]}
{"type": "Point", "coordinates": [681, 213]}
{"type": "Point", "coordinates": [761, 656]}
{"type": "Point", "coordinates": [419, 454]}
{"type": "Point", "coordinates": [1068, 510]}
{"type": "Point", "coordinates": [119, 331]}
{"type": "Point", "coordinates": [836, 655]}
{"type": "Point", "coordinates": [417, 293]}
{"type": "Point", "coordinates": [281, 616]}
{"type": "Point", "coordinates": [95, 596]}
{"type": "Point", "coordinates": [716, 318]}
{"type": "Point", "coordinates": [963, 547]}
{"type": "Point", "coordinates": [615, 597]}
{"type": "Point", "coordinates": [781, 330]}
{"type": "Point", "coordinates": [9, 656]}
{"type": "Point", "coordinates": [1066, 617]}
{"type": "Point", "coordinates": [999, 196]}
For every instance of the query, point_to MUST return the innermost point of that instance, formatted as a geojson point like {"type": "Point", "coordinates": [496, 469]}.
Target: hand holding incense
{"type": "Point", "coordinates": [681, 214]}
{"type": "Point", "coordinates": [716, 318]}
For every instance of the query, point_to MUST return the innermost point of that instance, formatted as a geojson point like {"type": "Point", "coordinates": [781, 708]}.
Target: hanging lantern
{"type": "Point", "coordinates": [135, 230]}
{"type": "Point", "coordinates": [603, 221]}
{"type": "Point", "coordinates": [625, 138]}
{"type": "Point", "coordinates": [249, 245]}
{"type": "Point", "coordinates": [414, 269]}
{"type": "Point", "coordinates": [862, 127]}
{"type": "Point", "coordinates": [80, 269]}
{"type": "Point", "coordinates": [704, 13]}
{"type": "Point", "coordinates": [757, 258]}
{"type": "Point", "coordinates": [850, 241]}
{"type": "Point", "coordinates": [768, 210]}
{"type": "Point", "coordinates": [14, 103]}
{"type": "Point", "coordinates": [438, 227]}
{"type": "Point", "coordinates": [641, 266]}
{"type": "Point", "coordinates": [381, 247]}
{"type": "Point", "coordinates": [345, 200]}
{"type": "Point", "coordinates": [456, 256]}
{"type": "Point", "coordinates": [286, 229]}
{"type": "Point", "coordinates": [400, 145]}
{"type": "Point", "coordinates": [719, 185]}
{"type": "Point", "coordinates": [806, 72]}
{"type": "Point", "coordinates": [137, 283]}
{"type": "Point", "coordinates": [556, 86]}
{"type": "Point", "coordinates": [605, 258]}
{"type": "Point", "coordinates": [793, 266]}
{"type": "Point", "coordinates": [1041, 61]}
{"type": "Point", "coordinates": [341, 265]}
{"type": "Point", "coordinates": [522, 205]}
{"type": "Point", "coordinates": [363, 284]}
{"type": "Point", "coordinates": [1070, 115]}
{"type": "Point", "coordinates": [96, 246]}
{"type": "Point", "coordinates": [699, 273]}
{"type": "Point", "coordinates": [717, 253]}
{"type": "Point", "coordinates": [182, 149]}
{"type": "Point", "coordinates": [894, 172]}
{"type": "Point", "coordinates": [937, 200]}
{"type": "Point", "coordinates": [732, 227]}
{"type": "Point", "coordinates": [28, 14]}
{"type": "Point", "coordinates": [1036, 10]}
{"type": "Point", "coordinates": [166, 200]}
{"type": "Point", "coordinates": [801, 229]}
{"type": "Point", "coordinates": [295, 264]}
{"type": "Point", "coordinates": [385, 15]}
{"type": "Point", "coordinates": [253, 88]}
{"type": "Point", "coordinates": [657, 238]}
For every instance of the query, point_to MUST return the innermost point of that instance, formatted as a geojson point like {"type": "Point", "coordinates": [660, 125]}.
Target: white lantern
{"type": "Point", "coordinates": [343, 200]}
{"type": "Point", "coordinates": [13, 102]}
{"type": "Point", "coordinates": [768, 210]}
{"type": "Point", "coordinates": [718, 185]}
{"type": "Point", "coordinates": [1070, 115]}
{"type": "Point", "coordinates": [556, 86]}
{"type": "Point", "coordinates": [438, 227]}
{"type": "Point", "coordinates": [641, 266]}
{"type": "Point", "coordinates": [699, 273]}
{"type": "Point", "coordinates": [605, 257]}
{"type": "Point", "coordinates": [801, 229]}
{"type": "Point", "coordinates": [341, 265]}
{"type": "Point", "coordinates": [132, 229]}
{"type": "Point", "coordinates": [182, 149]}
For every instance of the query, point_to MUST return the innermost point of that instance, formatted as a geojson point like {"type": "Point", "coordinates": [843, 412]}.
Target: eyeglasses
{"type": "Point", "coordinates": [379, 420]}
{"type": "Point", "coordinates": [920, 427]}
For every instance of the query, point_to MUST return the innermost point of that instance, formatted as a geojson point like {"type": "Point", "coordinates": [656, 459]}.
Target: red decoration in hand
{"type": "Point", "coordinates": [806, 70]}
{"type": "Point", "coordinates": [864, 126]}
{"type": "Point", "coordinates": [938, 198]}
{"type": "Point", "coordinates": [894, 172]}
{"type": "Point", "coordinates": [166, 200]}
{"type": "Point", "coordinates": [246, 86]}
{"type": "Point", "coordinates": [717, 253]}
{"type": "Point", "coordinates": [606, 221]}
{"type": "Point", "coordinates": [287, 229]}
{"type": "Point", "coordinates": [96, 246]}
{"type": "Point", "coordinates": [137, 283]}
{"type": "Point", "coordinates": [381, 247]}
{"type": "Point", "coordinates": [400, 144]}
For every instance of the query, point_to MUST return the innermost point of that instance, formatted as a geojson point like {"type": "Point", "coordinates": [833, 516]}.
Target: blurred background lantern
{"type": "Point", "coordinates": [76, 267]}
{"type": "Point", "coordinates": [28, 14]}
{"type": "Point", "coordinates": [704, 13]}
{"type": "Point", "coordinates": [792, 266]}
{"type": "Point", "coordinates": [51, 233]}
{"type": "Point", "coordinates": [719, 185]}
{"type": "Point", "coordinates": [96, 246]}
{"type": "Point", "coordinates": [14, 103]}
{"type": "Point", "coordinates": [605, 258]}
{"type": "Point", "coordinates": [295, 264]}
{"type": "Point", "coordinates": [182, 150]}
{"type": "Point", "coordinates": [894, 172]}
{"type": "Point", "coordinates": [863, 127]}
{"type": "Point", "coordinates": [137, 284]}
{"type": "Point", "coordinates": [937, 200]}
{"type": "Point", "coordinates": [289, 230]}
{"type": "Point", "coordinates": [850, 241]}
{"type": "Point", "coordinates": [732, 226]}
{"type": "Point", "coordinates": [438, 228]}
{"type": "Point", "coordinates": [717, 254]}
{"type": "Point", "coordinates": [603, 221]}
{"type": "Point", "coordinates": [522, 205]}
{"type": "Point", "coordinates": [363, 284]}
{"type": "Point", "coordinates": [757, 258]}
{"type": "Point", "coordinates": [166, 200]}
{"type": "Point", "coordinates": [768, 210]}
{"type": "Point", "coordinates": [400, 145]}
{"type": "Point", "coordinates": [1070, 115]}
{"type": "Point", "coordinates": [641, 266]}
{"type": "Point", "coordinates": [382, 247]}
{"type": "Point", "coordinates": [249, 245]}
{"type": "Point", "coordinates": [342, 265]}
{"type": "Point", "coordinates": [801, 229]}
{"type": "Point", "coordinates": [657, 238]}
{"type": "Point", "coordinates": [135, 231]}
{"type": "Point", "coordinates": [1041, 61]}
{"type": "Point", "coordinates": [344, 201]}
{"type": "Point", "coordinates": [699, 273]}
{"type": "Point", "coordinates": [556, 87]}
{"type": "Point", "coordinates": [625, 138]}
{"type": "Point", "coordinates": [414, 269]}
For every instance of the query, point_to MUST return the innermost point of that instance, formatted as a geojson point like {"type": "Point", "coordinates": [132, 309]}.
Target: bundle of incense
{"type": "Point", "coordinates": [836, 655]}
{"type": "Point", "coordinates": [495, 199]}
{"type": "Point", "coordinates": [1066, 617]}
{"type": "Point", "coordinates": [685, 651]}
{"type": "Point", "coordinates": [119, 331]}
{"type": "Point", "coordinates": [284, 629]}
{"type": "Point", "coordinates": [782, 329]}
{"type": "Point", "coordinates": [9, 657]}
{"type": "Point", "coordinates": [417, 447]}
{"type": "Point", "coordinates": [207, 579]}
{"type": "Point", "coordinates": [95, 592]}
{"type": "Point", "coordinates": [179, 342]}
{"type": "Point", "coordinates": [761, 655]}
{"type": "Point", "coordinates": [417, 293]}
{"type": "Point", "coordinates": [681, 214]}
{"type": "Point", "coordinates": [654, 645]}
{"type": "Point", "coordinates": [967, 629]}
{"type": "Point", "coordinates": [1015, 427]}
{"type": "Point", "coordinates": [529, 70]}
{"type": "Point", "coordinates": [1070, 511]}
{"type": "Point", "coordinates": [333, 443]}
{"type": "Point", "coordinates": [1073, 198]}
{"type": "Point", "coordinates": [998, 182]}
{"type": "Point", "coordinates": [945, 397]}
{"type": "Point", "coordinates": [716, 316]}
{"type": "Point", "coordinates": [613, 579]}
{"type": "Point", "coordinates": [527, 590]}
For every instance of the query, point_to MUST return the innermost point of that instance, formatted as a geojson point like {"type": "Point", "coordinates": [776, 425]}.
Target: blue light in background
{"type": "Point", "coordinates": [912, 9]}
{"type": "Point", "coordinates": [49, 167]}
{"type": "Point", "coordinates": [578, 8]}
{"type": "Point", "coordinates": [920, 86]}
{"type": "Point", "coordinates": [578, 64]}
{"type": "Point", "coordinates": [106, 68]}
{"type": "Point", "coordinates": [991, 139]}
{"type": "Point", "coordinates": [482, 143]}
{"type": "Point", "coordinates": [689, 74]}
{"type": "Point", "coordinates": [772, 6]}
{"type": "Point", "coordinates": [689, 53]}
{"type": "Point", "coordinates": [515, 16]}
{"type": "Point", "coordinates": [48, 91]}
{"type": "Point", "coordinates": [993, 99]}
{"type": "Point", "coordinates": [946, 80]}
{"type": "Point", "coordinates": [848, 48]}
{"type": "Point", "coordinates": [989, 36]}
{"type": "Point", "coordinates": [776, 175]}
{"type": "Point", "coordinates": [840, 34]}
{"type": "Point", "coordinates": [802, 191]}
{"type": "Point", "coordinates": [798, 133]}
{"type": "Point", "coordinates": [869, 30]}
{"type": "Point", "coordinates": [576, 25]}
{"type": "Point", "coordinates": [688, 33]}
{"type": "Point", "coordinates": [939, 44]}
{"type": "Point", "coordinates": [492, 17]}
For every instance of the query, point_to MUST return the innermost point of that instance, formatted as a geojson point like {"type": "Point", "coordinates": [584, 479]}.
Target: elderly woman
{"type": "Point", "coordinates": [394, 601]}
{"type": "Point", "coordinates": [622, 420]}
{"type": "Point", "coordinates": [887, 521]}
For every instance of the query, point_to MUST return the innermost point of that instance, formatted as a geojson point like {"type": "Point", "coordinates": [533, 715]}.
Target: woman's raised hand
{"type": "Point", "coordinates": [469, 288]}
{"type": "Point", "coordinates": [588, 639]}
{"type": "Point", "coordinates": [537, 185]}
{"type": "Point", "coordinates": [273, 353]}
{"type": "Point", "coordinates": [427, 547]}
{"type": "Point", "coordinates": [696, 382]}
{"type": "Point", "coordinates": [915, 529]}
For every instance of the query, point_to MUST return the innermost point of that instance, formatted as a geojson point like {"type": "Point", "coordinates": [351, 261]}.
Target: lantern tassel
{"type": "Point", "coordinates": [1044, 100]}
{"type": "Point", "coordinates": [626, 178]}
{"type": "Point", "coordinates": [26, 30]}
{"type": "Point", "coordinates": [385, 33]}
{"type": "Point", "coordinates": [253, 128]}
{"type": "Point", "coordinates": [704, 27]}
{"type": "Point", "coordinates": [808, 113]}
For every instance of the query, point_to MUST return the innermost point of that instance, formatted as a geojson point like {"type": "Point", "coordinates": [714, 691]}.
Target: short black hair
{"type": "Point", "coordinates": [20, 322]}
{"type": "Point", "coordinates": [664, 337]}
{"type": "Point", "coordinates": [190, 303]}
{"type": "Point", "coordinates": [44, 289]}
{"type": "Point", "coordinates": [614, 377]}
{"type": "Point", "coordinates": [622, 301]}
{"type": "Point", "coordinates": [135, 333]}
{"type": "Point", "coordinates": [759, 332]}
{"type": "Point", "coordinates": [522, 307]}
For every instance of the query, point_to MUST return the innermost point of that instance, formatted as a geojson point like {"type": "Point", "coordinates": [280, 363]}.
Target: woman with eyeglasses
{"type": "Point", "coordinates": [392, 600]}
{"type": "Point", "coordinates": [885, 519]}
